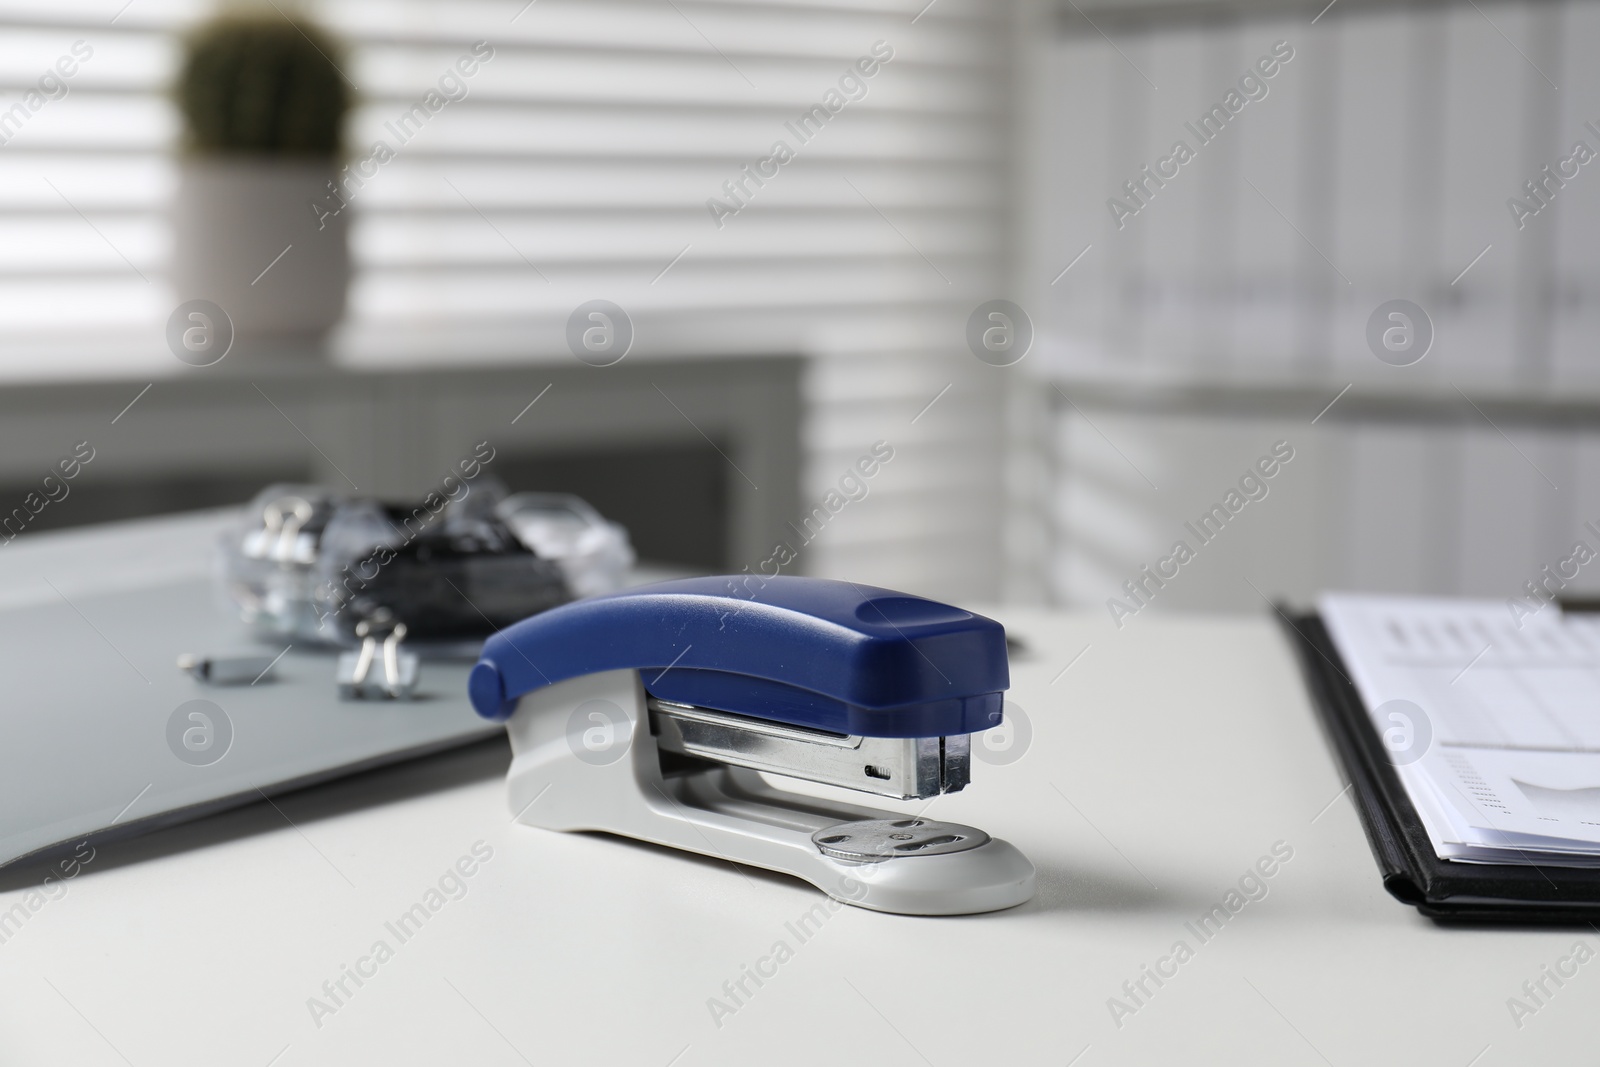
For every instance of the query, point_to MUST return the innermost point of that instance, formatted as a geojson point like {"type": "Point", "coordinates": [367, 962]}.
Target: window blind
{"type": "Point", "coordinates": [579, 166]}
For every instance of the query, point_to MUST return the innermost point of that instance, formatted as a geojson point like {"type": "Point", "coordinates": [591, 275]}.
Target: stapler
{"type": "Point", "coordinates": [655, 712]}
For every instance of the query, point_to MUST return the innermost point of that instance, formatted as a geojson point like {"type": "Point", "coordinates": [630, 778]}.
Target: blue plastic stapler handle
{"type": "Point", "coordinates": [829, 655]}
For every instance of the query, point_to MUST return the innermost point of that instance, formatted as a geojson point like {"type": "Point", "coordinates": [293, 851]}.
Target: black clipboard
{"type": "Point", "coordinates": [1412, 872]}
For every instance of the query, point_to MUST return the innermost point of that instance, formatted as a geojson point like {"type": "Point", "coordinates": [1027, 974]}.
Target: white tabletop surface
{"type": "Point", "coordinates": [1163, 764]}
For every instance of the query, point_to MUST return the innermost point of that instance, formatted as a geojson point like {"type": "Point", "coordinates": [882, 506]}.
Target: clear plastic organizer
{"type": "Point", "coordinates": [309, 563]}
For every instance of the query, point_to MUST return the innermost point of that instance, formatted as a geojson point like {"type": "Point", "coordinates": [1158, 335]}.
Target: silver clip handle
{"type": "Point", "coordinates": [368, 630]}
{"type": "Point", "coordinates": [391, 659]}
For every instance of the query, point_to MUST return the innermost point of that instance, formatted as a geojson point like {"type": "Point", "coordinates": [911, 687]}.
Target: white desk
{"type": "Point", "coordinates": [1187, 749]}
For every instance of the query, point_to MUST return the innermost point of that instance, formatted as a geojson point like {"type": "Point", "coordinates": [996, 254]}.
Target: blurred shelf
{"type": "Point", "coordinates": [1364, 388]}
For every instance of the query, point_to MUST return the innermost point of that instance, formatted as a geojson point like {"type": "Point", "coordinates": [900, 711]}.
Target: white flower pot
{"type": "Point", "coordinates": [245, 236]}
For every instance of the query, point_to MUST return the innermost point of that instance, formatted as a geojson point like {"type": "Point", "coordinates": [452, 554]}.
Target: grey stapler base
{"type": "Point", "coordinates": [561, 778]}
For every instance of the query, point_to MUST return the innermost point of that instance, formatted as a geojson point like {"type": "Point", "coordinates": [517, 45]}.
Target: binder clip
{"type": "Point", "coordinates": [355, 675]}
{"type": "Point", "coordinates": [269, 560]}
{"type": "Point", "coordinates": [654, 712]}
{"type": "Point", "coordinates": [282, 535]}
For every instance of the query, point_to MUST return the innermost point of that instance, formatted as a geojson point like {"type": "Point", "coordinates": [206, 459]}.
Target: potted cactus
{"type": "Point", "coordinates": [264, 104]}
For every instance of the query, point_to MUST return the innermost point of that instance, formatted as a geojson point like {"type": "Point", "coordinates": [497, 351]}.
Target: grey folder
{"type": "Point", "coordinates": [97, 730]}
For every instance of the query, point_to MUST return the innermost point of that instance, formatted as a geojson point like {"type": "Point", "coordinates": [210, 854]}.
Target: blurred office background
{"type": "Point", "coordinates": [1232, 309]}
{"type": "Point", "coordinates": [774, 350]}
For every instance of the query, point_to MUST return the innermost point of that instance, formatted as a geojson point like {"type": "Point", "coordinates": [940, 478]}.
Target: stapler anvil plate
{"type": "Point", "coordinates": [652, 713]}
